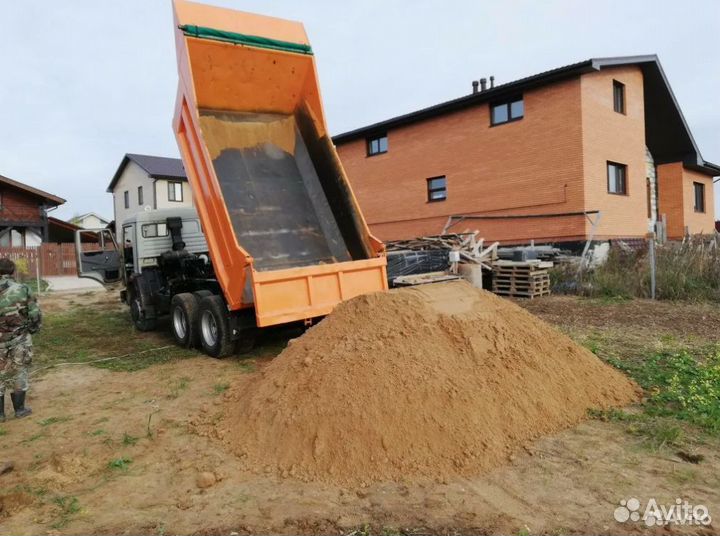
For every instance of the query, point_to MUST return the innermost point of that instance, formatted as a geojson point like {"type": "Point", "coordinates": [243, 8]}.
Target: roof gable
{"type": "Point", "coordinates": [51, 199]}
{"type": "Point", "coordinates": [157, 167]}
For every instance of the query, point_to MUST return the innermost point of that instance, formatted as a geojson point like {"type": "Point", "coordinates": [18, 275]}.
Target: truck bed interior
{"type": "Point", "coordinates": [285, 202]}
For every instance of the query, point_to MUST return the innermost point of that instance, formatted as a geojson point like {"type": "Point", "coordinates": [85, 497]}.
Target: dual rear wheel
{"type": "Point", "coordinates": [201, 320]}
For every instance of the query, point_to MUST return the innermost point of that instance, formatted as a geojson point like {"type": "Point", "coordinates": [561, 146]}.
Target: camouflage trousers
{"type": "Point", "coordinates": [15, 359]}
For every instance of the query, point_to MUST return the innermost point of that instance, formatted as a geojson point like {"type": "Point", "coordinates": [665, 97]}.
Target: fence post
{"type": "Point", "coordinates": [37, 275]}
{"type": "Point", "coordinates": [651, 258]}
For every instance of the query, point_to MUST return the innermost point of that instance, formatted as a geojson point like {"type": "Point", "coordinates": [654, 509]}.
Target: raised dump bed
{"type": "Point", "coordinates": [280, 235]}
{"type": "Point", "coordinates": [284, 230]}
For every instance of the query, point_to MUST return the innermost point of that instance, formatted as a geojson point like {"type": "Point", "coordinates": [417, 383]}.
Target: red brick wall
{"type": "Point", "coordinates": [17, 206]}
{"type": "Point", "coordinates": [698, 222]}
{"type": "Point", "coordinates": [529, 166]}
{"type": "Point", "coordinates": [670, 197]}
{"type": "Point", "coordinates": [676, 198]}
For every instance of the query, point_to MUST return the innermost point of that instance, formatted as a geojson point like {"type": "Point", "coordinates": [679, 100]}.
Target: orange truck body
{"type": "Point", "coordinates": [284, 230]}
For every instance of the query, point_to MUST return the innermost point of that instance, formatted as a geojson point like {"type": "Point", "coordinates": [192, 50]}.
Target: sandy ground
{"type": "Point", "coordinates": [115, 453]}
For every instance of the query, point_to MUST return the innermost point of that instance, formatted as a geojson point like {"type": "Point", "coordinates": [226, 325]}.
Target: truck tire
{"type": "Point", "coordinates": [183, 319]}
{"type": "Point", "coordinates": [246, 341]}
{"type": "Point", "coordinates": [215, 333]}
{"type": "Point", "coordinates": [142, 323]}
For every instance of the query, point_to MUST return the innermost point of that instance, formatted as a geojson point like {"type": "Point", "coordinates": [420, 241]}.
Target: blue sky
{"type": "Point", "coordinates": [85, 81]}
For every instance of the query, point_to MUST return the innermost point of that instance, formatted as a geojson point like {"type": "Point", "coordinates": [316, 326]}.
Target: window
{"type": "Point", "coordinates": [140, 196]}
{"type": "Point", "coordinates": [617, 178]}
{"type": "Point", "coordinates": [699, 189]}
{"type": "Point", "coordinates": [618, 97]}
{"type": "Point", "coordinates": [377, 145]}
{"type": "Point", "coordinates": [505, 112]}
{"type": "Point", "coordinates": [126, 196]}
{"type": "Point", "coordinates": [175, 191]}
{"type": "Point", "coordinates": [436, 189]}
{"type": "Point", "coordinates": [153, 230]}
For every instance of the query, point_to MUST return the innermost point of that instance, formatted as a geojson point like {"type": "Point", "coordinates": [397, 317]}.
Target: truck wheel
{"type": "Point", "coordinates": [183, 319]}
{"type": "Point", "coordinates": [246, 341]}
{"type": "Point", "coordinates": [142, 323]}
{"type": "Point", "coordinates": [215, 334]}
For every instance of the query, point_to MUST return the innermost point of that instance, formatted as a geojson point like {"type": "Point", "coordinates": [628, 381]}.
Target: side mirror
{"type": "Point", "coordinates": [98, 256]}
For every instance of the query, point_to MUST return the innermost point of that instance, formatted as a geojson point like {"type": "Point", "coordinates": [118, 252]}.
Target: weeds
{"type": "Point", "coordinates": [35, 437]}
{"type": "Point", "coordinates": [247, 366]}
{"type": "Point", "coordinates": [129, 440]}
{"type": "Point", "coordinates": [54, 420]}
{"type": "Point", "coordinates": [69, 506]}
{"type": "Point", "coordinates": [3, 432]}
{"type": "Point", "coordinates": [680, 386]}
{"type": "Point", "coordinates": [178, 386]}
{"type": "Point", "coordinates": [687, 270]}
{"type": "Point", "coordinates": [119, 464]}
{"type": "Point", "coordinates": [220, 388]}
{"type": "Point", "coordinates": [97, 432]}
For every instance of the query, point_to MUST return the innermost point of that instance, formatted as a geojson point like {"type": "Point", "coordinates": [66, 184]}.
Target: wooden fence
{"type": "Point", "coordinates": [53, 259]}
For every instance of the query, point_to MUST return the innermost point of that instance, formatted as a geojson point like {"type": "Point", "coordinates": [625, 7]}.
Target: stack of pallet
{"type": "Point", "coordinates": [525, 279]}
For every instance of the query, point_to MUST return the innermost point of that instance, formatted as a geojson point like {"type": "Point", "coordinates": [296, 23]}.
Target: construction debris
{"type": "Point", "coordinates": [427, 382]}
{"type": "Point", "coordinates": [437, 253]}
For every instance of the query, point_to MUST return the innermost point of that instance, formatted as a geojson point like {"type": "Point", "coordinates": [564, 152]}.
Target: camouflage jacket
{"type": "Point", "coordinates": [19, 311]}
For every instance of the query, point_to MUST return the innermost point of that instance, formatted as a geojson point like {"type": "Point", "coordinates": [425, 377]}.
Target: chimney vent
{"type": "Point", "coordinates": [483, 84]}
{"type": "Point", "coordinates": [492, 82]}
{"type": "Point", "coordinates": [475, 84]}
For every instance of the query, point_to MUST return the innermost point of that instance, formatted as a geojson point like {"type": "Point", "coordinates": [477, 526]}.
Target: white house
{"type": "Point", "coordinates": [91, 220]}
{"type": "Point", "coordinates": [144, 182]}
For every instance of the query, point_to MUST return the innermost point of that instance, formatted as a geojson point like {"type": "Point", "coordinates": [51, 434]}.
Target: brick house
{"type": "Point", "coordinates": [604, 135]}
{"type": "Point", "coordinates": [24, 213]}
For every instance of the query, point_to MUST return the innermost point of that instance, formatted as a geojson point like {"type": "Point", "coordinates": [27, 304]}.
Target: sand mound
{"type": "Point", "coordinates": [433, 381]}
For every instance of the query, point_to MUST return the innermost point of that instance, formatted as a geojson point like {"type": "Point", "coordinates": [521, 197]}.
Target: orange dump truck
{"type": "Point", "coordinates": [285, 235]}
{"type": "Point", "coordinates": [276, 234]}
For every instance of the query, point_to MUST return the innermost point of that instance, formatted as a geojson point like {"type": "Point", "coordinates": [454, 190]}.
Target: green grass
{"type": "Point", "coordinates": [35, 437]}
{"type": "Point", "coordinates": [32, 284]}
{"type": "Point", "coordinates": [87, 333]}
{"type": "Point", "coordinates": [220, 388]}
{"type": "Point", "coordinates": [54, 420]}
{"type": "Point", "coordinates": [68, 506]}
{"type": "Point", "coordinates": [3, 432]}
{"type": "Point", "coordinates": [129, 440]}
{"type": "Point", "coordinates": [178, 386]}
{"type": "Point", "coordinates": [119, 464]}
{"type": "Point", "coordinates": [682, 397]}
{"type": "Point", "coordinates": [97, 432]}
{"type": "Point", "coordinates": [247, 366]}
{"type": "Point", "coordinates": [680, 385]}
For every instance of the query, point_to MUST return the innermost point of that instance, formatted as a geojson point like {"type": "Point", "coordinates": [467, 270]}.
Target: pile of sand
{"type": "Point", "coordinates": [433, 381]}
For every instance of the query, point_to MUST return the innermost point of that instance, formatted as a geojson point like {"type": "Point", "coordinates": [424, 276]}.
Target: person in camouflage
{"type": "Point", "coordinates": [19, 317]}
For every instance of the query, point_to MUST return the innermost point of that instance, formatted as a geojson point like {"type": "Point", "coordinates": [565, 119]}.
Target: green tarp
{"type": "Point", "coordinates": [243, 39]}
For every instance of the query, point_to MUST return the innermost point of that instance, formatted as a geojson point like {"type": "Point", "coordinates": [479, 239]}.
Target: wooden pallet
{"type": "Point", "coordinates": [521, 279]}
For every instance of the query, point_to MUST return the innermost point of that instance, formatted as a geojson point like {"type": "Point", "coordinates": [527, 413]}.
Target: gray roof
{"type": "Point", "coordinates": [157, 167]}
{"type": "Point", "coordinates": [668, 135]}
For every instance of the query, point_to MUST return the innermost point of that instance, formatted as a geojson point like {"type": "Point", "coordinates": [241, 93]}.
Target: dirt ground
{"type": "Point", "coordinates": [114, 452]}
